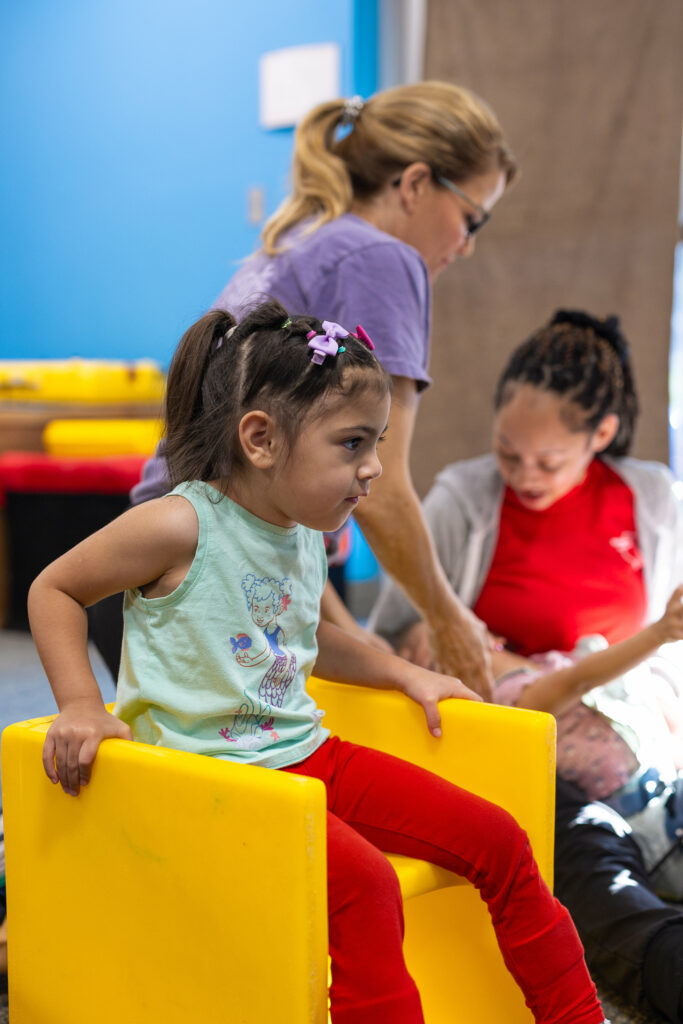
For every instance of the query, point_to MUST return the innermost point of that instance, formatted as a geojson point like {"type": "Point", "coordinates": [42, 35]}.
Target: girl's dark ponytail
{"type": "Point", "coordinates": [191, 400]}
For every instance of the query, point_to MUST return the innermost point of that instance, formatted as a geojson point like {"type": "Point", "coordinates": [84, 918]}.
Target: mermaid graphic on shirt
{"type": "Point", "coordinates": [267, 598]}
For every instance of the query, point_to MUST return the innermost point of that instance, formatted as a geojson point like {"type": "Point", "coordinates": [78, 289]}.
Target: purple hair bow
{"type": "Point", "coordinates": [325, 344]}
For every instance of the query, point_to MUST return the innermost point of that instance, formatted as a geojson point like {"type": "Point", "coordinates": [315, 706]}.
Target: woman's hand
{"type": "Point", "coordinates": [413, 645]}
{"type": "Point", "coordinates": [461, 648]}
{"type": "Point", "coordinates": [72, 741]}
{"type": "Point", "coordinates": [428, 688]}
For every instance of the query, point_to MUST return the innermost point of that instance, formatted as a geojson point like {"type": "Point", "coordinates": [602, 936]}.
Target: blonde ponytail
{"type": "Point", "coordinates": [321, 185]}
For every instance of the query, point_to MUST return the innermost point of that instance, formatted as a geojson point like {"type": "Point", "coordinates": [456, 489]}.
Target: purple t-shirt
{"type": "Point", "coordinates": [347, 271]}
{"type": "Point", "coordinates": [350, 272]}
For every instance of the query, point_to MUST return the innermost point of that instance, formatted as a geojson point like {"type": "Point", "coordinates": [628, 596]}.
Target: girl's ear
{"type": "Point", "coordinates": [259, 438]}
{"type": "Point", "coordinates": [415, 180]}
{"type": "Point", "coordinates": [605, 432]}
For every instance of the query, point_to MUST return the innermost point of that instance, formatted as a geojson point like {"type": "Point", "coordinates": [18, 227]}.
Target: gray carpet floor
{"type": "Point", "coordinates": [616, 1010]}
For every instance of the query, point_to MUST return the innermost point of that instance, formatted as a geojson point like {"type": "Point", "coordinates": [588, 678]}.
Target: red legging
{"type": "Point", "coordinates": [377, 802]}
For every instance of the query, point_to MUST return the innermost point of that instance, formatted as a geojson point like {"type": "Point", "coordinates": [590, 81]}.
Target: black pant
{"type": "Point", "coordinates": [633, 939]}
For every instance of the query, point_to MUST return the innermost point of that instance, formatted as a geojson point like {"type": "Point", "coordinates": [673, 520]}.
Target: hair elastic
{"type": "Point", "coordinates": [352, 108]}
{"type": "Point", "coordinates": [225, 337]}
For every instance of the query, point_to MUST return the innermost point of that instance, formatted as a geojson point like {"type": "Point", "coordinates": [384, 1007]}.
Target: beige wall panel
{"type": "Point", "coordinates": [590, 96]}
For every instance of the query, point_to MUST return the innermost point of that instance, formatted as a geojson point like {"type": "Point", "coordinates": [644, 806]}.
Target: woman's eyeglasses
{"type": "Point", "coordinates": [472, 225]}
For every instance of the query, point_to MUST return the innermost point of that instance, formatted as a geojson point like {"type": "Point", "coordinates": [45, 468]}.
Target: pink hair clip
{"type": "Point", "coordinates": [364, 337]}
{"type": "Point", "coordinates": [325, 344]}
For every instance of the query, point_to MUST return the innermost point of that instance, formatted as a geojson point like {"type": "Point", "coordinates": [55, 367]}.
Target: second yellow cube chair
{"type": "Point", "coordinates": [178, 888]}
{"type": "Point", "coordinates": [95, 437]}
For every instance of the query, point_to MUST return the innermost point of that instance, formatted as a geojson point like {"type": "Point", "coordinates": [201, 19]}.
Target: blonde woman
{"type": "Point", "coordinates": [386, 194]}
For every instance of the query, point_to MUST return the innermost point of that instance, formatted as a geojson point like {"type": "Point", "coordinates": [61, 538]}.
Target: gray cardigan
{"type": "Point", "coordinates": [463, 510]}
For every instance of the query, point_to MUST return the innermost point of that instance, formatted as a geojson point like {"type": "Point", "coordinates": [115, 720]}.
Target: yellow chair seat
{"type": "Point", "coordinates": [419, 876]}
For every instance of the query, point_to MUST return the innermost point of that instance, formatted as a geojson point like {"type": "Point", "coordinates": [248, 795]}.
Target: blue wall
{"type": "Point", "coordinates": [130, 137]}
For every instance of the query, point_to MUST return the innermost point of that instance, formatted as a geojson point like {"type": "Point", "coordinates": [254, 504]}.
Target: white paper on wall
{"type": "Point", "coordinates": [294, 79]}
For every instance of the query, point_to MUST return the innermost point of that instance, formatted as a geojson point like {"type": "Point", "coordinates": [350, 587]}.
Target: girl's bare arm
{"type": "Point", "coordinates": [150, 545]}
{"type": "Point", "coordinates": [344, 659]}
{"type": "Point", "coordinates": [333, 609]}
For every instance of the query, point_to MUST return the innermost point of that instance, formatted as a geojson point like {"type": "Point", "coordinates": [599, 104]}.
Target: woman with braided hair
{"type": "Point", "coordinates": [386, 194]}
{"type": "Point", "coordinates": [561, 543]}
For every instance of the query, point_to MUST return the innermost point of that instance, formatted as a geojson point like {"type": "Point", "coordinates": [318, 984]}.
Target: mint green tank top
{"type": "Point", "coordinates": [219, 666]}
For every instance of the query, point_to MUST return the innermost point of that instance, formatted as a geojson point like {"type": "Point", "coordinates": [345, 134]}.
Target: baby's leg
{"type": "Point", "coordinates": [401, 808]}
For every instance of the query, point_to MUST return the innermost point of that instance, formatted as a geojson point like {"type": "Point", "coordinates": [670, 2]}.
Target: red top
{"type": "Point", "coordinates": [568, 570]}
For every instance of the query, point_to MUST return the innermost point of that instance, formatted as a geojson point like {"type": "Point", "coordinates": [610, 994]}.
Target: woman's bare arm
{"type": "Point", "coordinates": [394, 526]}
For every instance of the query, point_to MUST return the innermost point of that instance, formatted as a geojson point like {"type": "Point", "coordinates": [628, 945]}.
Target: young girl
{"type": "Point", "coordinates": [555, 536]}
{"type": "Point", "coordinates": [272, 428]}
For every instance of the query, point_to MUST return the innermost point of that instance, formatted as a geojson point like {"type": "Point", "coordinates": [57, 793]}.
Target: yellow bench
{"type": "Point", "coordinates": [77, 437]}
{"type": "Point", "coordinates": [81, 380]}
{"type": "Point", "coordinates": [181, 888]}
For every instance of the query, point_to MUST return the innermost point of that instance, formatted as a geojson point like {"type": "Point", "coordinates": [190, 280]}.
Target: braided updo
{"type": "Point", "coordinates": [587, 361]}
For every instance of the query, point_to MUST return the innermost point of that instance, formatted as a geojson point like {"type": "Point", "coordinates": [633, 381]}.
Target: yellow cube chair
{"type": "Point", "coordinates": [179, 888]}
{"type": "Point", "coordinates": [94, 437]}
